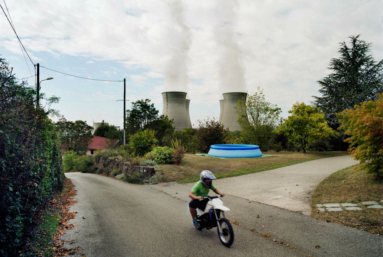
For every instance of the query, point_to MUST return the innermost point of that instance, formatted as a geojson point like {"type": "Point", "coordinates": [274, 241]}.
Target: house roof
{"type": "Point", "coordinates": [99, 143]}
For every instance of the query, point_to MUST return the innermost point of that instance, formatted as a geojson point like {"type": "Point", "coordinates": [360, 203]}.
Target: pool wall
{"type": "Point", "coordinates": [235, 151]}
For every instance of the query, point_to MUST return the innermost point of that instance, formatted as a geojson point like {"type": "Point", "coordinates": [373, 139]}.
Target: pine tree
{"type": "Point", "coordinates": [356, 78]}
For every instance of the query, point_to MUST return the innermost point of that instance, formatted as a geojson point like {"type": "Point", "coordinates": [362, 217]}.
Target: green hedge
{"type": "Point", "coordinates": [30, 161]}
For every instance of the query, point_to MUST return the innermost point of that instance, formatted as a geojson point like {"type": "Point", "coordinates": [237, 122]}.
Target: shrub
{"type": "Point", "coordinates": [121, 176]}
{"type": "Point", "coordinates": [115, 172]}
{"type": "Point", "coordinates": [278, 147]}
{"type": "Point", "coordinates": [84, 163]}
{"type": "Point", "coordinates": [70, 160]}
{"type": "Point", "coordinates": [364, 125]}
{"type": "Point", "coordinates": [149, 156]}
{"type": "Point", "coordinates": [155, 179]}
{"type": "Point", "coordinates": [187, 136]}
{"type": "Point", "coordinates": [163, 155]}
{"type": "Point", "coordinates": [148, 163]}
{"type": "Point", "coordinates": [178, 151]}
{"type": "Point", "coordinates": [210, 132]}
{"type": "Point", "coordinates": [142, 142]}
{"type": "Point", "coordinates": [233, 137]}
{"type": "Point", "coordinates": [136, 178]}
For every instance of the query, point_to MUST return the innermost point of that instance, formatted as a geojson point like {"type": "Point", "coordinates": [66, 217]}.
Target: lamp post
{"type": "Point", "coordinates": [38, 89]}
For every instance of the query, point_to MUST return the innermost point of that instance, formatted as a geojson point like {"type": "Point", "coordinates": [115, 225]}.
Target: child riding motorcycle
{"type": "Point", "coordinates": [199, 190]}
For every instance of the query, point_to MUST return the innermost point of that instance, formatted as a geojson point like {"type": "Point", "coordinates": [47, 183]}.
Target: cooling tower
{"type": "Point", "coordinates": [221, 110]}
{"type": "Point", "coordinates": [228, 116]}
{"type": "Point", "coordinates": [176, 107]}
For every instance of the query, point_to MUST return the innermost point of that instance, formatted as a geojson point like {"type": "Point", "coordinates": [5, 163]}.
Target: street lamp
{"type": "Point", "coordinates": [38, 89]}
{"type": "Point", "coordinates": [50, 78]}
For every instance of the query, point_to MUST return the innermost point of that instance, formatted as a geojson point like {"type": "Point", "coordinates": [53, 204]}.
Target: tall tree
{"type": "Point", "coordinates": [355, 78]}
{"type": "Point", "coordinates": [162, 126]}
{"type": "Point", "coordinates": [257, 118]}
{"type": "Point", "coordinates": [74, 136]}
{"type": "Point", "coordinates": [305, 125]}
{"type": "Point", "coordinates": [140, 116]}
{"type": "Point", "coordinates": [108, 131]}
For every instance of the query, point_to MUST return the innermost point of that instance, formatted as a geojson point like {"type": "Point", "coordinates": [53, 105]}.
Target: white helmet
{"type": "Point", "coordinates": [206, 174]}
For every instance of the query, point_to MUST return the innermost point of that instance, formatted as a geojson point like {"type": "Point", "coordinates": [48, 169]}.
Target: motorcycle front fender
{"type": "Point", "coordinates": [222, 208]}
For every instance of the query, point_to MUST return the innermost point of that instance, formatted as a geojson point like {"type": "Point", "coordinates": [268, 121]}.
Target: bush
{"type": "Point", "coordinates": [142, 142]}
{"type": "Point", "coordinates": [70, 160]}
{"type": "Point", "coordinates": [136, 178]}
{"type": "Point", "coordinates": [364, 125]}
{"type": "Point", "coordinates": [121, 176]}
{"type": "Point", "coordinates": [163, 155]}
{"type": "Point", "coordinates": [84, 163]}
{"type": "Point", "coordinates": [115, 172]}
{"type": "Point", "coordinates": [178, 151]}
{"type": "Point", "coordinates": [210, 132]}
{"type": "Point", "coordinates": [105, 154]}
{"type": "Point", "coordinates": [187, 136]}
{"type": "Point", "coordinates": [148, 163]}
{"type": "Point", "coordinates": [149, 156]}
{"type": "Point", "coordinates": [233, 137]}
{"type": "Point", "coordinates": [155, 179]}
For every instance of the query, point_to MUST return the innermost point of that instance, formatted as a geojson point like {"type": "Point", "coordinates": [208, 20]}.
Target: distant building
{"type": "Point", "coordinates": [96, 124]}
{"type": "Point", "coordinates": [100, 143]}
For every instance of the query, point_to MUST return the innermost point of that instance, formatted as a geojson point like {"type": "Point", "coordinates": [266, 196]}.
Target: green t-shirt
{"type": "Point", "coordinates": [201, 190]}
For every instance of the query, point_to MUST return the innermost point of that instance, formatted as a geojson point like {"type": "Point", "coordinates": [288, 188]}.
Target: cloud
{"type": "Point", "coordinates": [283, 47]}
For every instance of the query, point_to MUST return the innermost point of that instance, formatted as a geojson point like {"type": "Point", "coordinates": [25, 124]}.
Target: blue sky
{"type": "Point", "coordinates": [205, 48]}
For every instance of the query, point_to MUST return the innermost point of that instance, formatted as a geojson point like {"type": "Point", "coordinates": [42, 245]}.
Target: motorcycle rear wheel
{"type": "Point", "coordinates": [227, 235]}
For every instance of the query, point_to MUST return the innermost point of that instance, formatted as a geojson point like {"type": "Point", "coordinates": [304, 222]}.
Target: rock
{"type": "Point", "coordinates": [126, 168]}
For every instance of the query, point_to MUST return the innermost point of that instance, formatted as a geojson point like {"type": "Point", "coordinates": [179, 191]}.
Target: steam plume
{"type": "Point", "coordinates": [230, 67]}
{"type": "Point", "coordinates": [176, 77]}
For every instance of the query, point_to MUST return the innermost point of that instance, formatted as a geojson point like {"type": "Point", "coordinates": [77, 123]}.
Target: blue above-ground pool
{"type": "Point", "coordinates": [235, 151]}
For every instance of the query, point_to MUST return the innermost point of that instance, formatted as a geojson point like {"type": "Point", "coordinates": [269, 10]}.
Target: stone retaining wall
{"type": "Point", "coordinates": [125, 167]}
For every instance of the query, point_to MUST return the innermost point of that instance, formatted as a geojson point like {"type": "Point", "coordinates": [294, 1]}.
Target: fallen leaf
{"type": "Point", "coordinates": [265, 235]}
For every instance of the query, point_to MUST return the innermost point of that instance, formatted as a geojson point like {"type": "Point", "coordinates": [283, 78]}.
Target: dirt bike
{"type": "Point", "coordinates": [211, 217]}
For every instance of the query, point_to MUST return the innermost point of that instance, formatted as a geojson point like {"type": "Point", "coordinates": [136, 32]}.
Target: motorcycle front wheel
{"type": "Point", "coordinates": [227, 235]}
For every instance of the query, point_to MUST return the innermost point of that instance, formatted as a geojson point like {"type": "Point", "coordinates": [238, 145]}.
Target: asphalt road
{"type": "Point", "coordinates": [115, 218]}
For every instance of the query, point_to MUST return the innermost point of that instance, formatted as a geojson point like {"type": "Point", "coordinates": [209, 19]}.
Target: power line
{"type": "Point", "coordinates": [10, 17]}
{"type": "Point", "coordinates": [28, 77]}
{"type": "Point", "coordinates": [81, 77]}
{"type": "Point", "coordinates": [16, 34]}
{"type": "Point", "coordinates": [89, 101]}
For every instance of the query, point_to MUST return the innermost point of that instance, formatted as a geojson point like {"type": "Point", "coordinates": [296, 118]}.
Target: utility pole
{"type": "Point", "coordinates": [38, 85]}
{"type": "Point", "coordinates": [124, 107]}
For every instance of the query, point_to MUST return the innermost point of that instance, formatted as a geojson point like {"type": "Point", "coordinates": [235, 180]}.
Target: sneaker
{"type": "Point", "coordinates": [196, 224]}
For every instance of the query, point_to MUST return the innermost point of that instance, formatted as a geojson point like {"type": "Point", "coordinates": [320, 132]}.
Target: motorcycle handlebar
{"type": "Point", "coordinates": [211, 197]}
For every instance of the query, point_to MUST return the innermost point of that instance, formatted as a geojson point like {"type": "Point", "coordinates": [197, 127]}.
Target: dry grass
{"type": "Point", "coordinates": [350, 186]}
{"type": "Point", "coordinates": [192, 165]}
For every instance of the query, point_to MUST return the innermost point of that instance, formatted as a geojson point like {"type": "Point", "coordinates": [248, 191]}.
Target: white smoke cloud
{"type": "Point", "coordinates": [176, 73]}
{"type": "Point", "coordinates": [230, 66]}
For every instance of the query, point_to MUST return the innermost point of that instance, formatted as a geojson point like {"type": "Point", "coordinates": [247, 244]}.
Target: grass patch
{"type": "Point", "coordinates": [192, 165]}
{"type": "Point", "coordinates": [350, 186]}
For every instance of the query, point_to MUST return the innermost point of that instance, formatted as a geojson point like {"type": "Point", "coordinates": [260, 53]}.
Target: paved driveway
{"type": "Point", "coordinates": [288, 187]}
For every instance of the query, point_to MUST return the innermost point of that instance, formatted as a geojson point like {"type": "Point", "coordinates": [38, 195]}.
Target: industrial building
{"type": "Point", "coordinates": [176, 107]}
{"type": "Point", "coordinates": [228, 116]}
